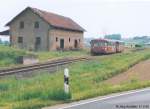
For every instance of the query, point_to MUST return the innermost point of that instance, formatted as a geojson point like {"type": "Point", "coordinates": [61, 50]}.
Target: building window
{"type": "Point", "coordinates": [20, 39]}
{"type": "Point", "coordinates": [69, 39]}
{"type": "Point", "coordinates": [38, 40]}
{"type": "Point", "coordinates": [21, 25]}
{"type": "Point", "coordinates": [36, 25]}
{"type": "Point", "coordinates": [56, 39]}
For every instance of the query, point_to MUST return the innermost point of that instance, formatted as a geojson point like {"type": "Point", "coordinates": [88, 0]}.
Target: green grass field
{"type": "Point", "coordinates": [86, 81]}
{"type": "Point", "coordinates": [9, 55]}
{"type": "Point", "coordinates": [44, 56]}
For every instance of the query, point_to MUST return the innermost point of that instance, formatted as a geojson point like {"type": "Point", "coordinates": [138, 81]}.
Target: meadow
{"type": "Point", "coordinates": [86, 81]}
{"type": "Point", "coordinates": [9, 55]}
{"type": "Point", "coordinates": [44, 56]}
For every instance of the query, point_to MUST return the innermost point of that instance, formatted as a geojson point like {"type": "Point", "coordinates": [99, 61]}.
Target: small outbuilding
{"type": "Point", "coordinates": [4, 37]}
{"type": "Point", "coordinates": [4, 33]}
{"type": "Point", "coordinates": [38, 30]}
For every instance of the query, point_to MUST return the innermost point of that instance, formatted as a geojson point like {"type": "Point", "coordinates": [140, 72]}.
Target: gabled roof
{"type": "Point", "coordinates": [54, 20]}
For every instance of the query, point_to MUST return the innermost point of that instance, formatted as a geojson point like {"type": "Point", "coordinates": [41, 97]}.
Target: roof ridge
{"type": "Point", "coordinates": [36, 9]}
{"type": "Point", "coordinates": [55, 20]}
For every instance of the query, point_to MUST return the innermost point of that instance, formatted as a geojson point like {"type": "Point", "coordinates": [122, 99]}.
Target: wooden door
{"type": "Point", "coordinates": [62, 43]}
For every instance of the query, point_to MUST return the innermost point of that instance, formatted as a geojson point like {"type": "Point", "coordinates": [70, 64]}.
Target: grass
{"type": "Point", "coordinates": [86, 81]}
{"type": "Point", "coordinates": [43, 56]}
{"type": "Point", "coordinates": [9, 55]}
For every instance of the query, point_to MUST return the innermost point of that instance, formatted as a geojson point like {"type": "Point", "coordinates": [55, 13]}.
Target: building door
{"type": "Point", "coordinates": [37, 43]}
{"type": "Point", "coordinates": [75, 44]}
{"type": "Point", "coordinates": [62, 43]}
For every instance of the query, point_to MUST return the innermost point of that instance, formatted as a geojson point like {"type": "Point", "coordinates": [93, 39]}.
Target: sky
{"type": "Point", "coordinates": [98, 17]}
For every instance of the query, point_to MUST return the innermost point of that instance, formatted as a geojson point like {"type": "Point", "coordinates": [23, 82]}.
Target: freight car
{"type": "Point", "coordinates": [106, 46]}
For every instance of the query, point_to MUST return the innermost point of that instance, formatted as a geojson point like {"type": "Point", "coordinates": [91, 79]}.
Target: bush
{"type": "Point", "coordinates": [137, 45]}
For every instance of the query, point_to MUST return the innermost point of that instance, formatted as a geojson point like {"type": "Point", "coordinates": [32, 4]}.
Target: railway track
{"type": "Point", "coordinates": [49, 64]}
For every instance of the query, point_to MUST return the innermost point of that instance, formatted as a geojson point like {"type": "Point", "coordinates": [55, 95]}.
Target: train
{"type": "Point", "coordinates": [106, 46]}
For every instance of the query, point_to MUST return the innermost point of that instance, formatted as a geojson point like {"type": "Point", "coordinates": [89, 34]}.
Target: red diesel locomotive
{"type": "Point", "coordinates": [106, 46]}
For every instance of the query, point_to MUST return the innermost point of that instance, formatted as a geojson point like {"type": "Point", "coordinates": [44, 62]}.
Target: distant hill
{"type": "Point", "coordinates": [138, 40]}
{"type": "Point", "coordinates": [113, 36]}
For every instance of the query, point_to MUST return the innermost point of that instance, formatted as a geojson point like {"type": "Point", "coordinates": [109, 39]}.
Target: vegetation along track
{"type": "Point", "coordinates": [49, 64]}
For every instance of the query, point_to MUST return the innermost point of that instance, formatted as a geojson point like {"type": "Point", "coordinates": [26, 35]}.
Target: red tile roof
{"type": "Point", "coordinates": [55, 20]}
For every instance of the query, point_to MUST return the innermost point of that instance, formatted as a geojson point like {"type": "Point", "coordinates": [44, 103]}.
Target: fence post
{"type": "Point", "coordinates": [66, 80]}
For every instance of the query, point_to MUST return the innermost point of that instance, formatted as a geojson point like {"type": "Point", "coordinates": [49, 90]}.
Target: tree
{"type": "Point", "coordinates": [141, 37]}
{"type": "Point", "coordinates": [113, 36]}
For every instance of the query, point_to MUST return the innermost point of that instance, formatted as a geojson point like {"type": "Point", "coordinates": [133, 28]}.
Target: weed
{"type": "Point", "coordinates": [86, 80]}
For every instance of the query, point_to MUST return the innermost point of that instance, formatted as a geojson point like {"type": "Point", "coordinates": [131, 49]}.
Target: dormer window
{"type": "Point", "coordinates": [36, 25]}
{"type": "Point", "coordinates": [21, 25]}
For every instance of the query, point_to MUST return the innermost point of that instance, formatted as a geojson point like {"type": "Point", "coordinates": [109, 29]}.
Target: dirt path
{"type": "Point", "coordinates": [140, 71]}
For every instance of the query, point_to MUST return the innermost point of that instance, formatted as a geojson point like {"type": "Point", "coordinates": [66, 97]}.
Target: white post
{"type": "Point", "coordinates": [66, 80]}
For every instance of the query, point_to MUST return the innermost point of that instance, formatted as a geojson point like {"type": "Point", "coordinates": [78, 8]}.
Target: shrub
{"type": "Point", "coordinates": [137, 45]}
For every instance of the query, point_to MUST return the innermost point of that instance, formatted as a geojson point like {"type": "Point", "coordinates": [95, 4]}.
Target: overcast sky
{"type": "Point", "coordinates": [99, 17]}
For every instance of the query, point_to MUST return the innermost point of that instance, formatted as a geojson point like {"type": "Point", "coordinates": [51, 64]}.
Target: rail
{"type": "Point", "coordinates": [49, 64]}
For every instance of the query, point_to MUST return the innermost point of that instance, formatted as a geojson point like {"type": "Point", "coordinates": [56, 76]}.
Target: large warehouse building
{"type": "Point", "coordinates": [38, 30]}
